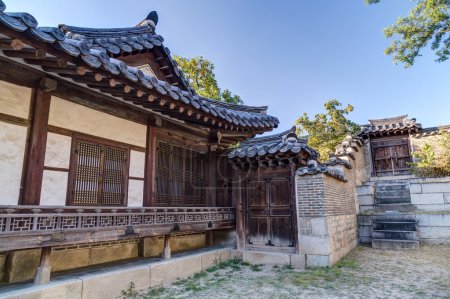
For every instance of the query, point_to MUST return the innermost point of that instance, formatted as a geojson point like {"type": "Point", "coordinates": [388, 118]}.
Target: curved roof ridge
{"type": "Point", "coordinates": [257, 109]}
{"type": "Point", "coordinates": [269, 138]}
{"type": "Point", "coordinates": [90, 32]}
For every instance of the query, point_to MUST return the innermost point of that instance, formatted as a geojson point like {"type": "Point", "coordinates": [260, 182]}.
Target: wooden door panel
{"type": "Point", "coordinates": [390, 156]}
{"type": "Point", "coordinates": [281, 231]}
{"type": "Point", "coordinates": [258, 230]}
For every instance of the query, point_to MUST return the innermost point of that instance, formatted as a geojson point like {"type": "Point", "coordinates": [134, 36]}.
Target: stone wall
{"type": "Point", "coordinates": [327, 223]}
{"type": "Point", "coordinates": [430, 202]}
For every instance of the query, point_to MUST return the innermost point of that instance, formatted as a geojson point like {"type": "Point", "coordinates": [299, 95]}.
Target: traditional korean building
{"type": "Point", "coordinates": [106, 151]}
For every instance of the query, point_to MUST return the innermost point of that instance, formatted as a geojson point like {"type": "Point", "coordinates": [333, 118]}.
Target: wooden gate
{"type": "Point", "coordinates": [390, 156]}
{"type": "Point", "coordinates": [270, 212]}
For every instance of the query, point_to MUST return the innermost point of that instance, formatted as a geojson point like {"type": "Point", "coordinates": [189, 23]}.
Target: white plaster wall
{"type": "Point", "coordinates": [12, 147]}
{"type": "Point", "coordinates": [14, 99]}
{"type": "Point", "coordinates": [54, 188]}
{"type": "Point", "coordinates": [57, 153]}
{"type": "Point", "coordinates": [135, 193]}
{"type": "Point", "coordinates": [79, 118]}
{"type": "Point", "coordinates": [137, 164]}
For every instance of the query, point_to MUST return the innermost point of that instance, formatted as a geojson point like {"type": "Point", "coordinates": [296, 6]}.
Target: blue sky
{"type": "Point", "coordinates": [290, 55]}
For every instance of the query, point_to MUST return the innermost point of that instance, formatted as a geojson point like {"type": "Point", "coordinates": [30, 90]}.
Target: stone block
{"type": "Point", "coordinates": [447, 198]}
{"type": "Point", "coordinates": [210, 258]}
{"type": "Point", "coordinates": [3, 258]}
{"type": "Point", "coordinates": [365, 190]}
{"type": "Point", "coordinates": [22, 264]}
{"type": "Point", "coordinates": [110, 284]}
{"type": "Point", "coordinates": [151, 247]}
{"type": "Point", "coordinates": [441, 220]}
{"type": "Point", "coordinates": [415, 188]}
{"type": "Point", "coordinates": [365, 231]}
{"type": "Point", "coordinates": [365, 209]}
{"type": "Point", "coordinates": [436, 187]}
{"type": "Point", "coordinates": [314, 245]}
{"type": "Point", "coordinates": [105, 254]}
{"type": "Point", "coordinates": [266, 258]}
{"type": "Point", "coordinates": [427, 198]}
{"type": "Point", "coordinates": [433, 208]}
{"type": "Point", "coordinates": [366, 200]}
{"type": "Point", "coordinates": [313, 260]}
{"type": "Point", "coordinates": [430, 232]}
{"type": "Point", "coordinates": [236, 254]}
{"type": "Point", "coordinates": [69, 259]}
{"type": "Point", "coordinates": [166, 272]}
{"type": "Point", "coordinates": [67, 288]}
{"type": "Point", "coordinates": [319, 226]}
{"type": "Point", "coordinates": [185, 242]}
{"type": "Point", "coordinates": [298, 261]}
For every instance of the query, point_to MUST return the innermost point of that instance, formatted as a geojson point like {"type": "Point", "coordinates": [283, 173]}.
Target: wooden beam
{"type": "Point", "coordinates": [34, 164]}
{"type": "Point", "coordinates": [11, 44]}
{"type": "Point", "coordinates": [150, 166]}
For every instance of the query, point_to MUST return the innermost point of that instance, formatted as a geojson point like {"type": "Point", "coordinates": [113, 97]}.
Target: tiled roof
{"type": "Point", "coordinates": [327, 168]}
{"type": "Point", "coordinates": [91, 48]}
{"type": "Point", "coordinates": [386, 126]}
{"type": "Point", "coordinates": [285, 142]}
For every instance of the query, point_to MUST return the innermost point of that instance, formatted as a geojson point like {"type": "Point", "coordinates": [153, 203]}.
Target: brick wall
{"type": "Point", "coordinates": [310, 195]}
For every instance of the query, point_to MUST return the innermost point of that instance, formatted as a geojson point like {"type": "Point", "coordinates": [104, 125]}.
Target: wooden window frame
{"type": "Point", "coordinates": [185, 147]}
{"type": "Point", "coordinates": [76, 137]}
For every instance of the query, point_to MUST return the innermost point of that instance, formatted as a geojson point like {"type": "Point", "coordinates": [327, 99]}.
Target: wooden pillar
{"type": "Point", "coordinates": [294, 208]}
{"type": "Point", "coordinates": [167, 252]}
{"type": "Point", "coordinates": [240, 210]}
{"type": "Point", "coordinates": [150, 166]}
{"type": "Point", "coordinates": [34, 164]}
{"type": "Point", "coordinates": [211, 192]}
{"type": "Point", "coordinates": [44, 269]}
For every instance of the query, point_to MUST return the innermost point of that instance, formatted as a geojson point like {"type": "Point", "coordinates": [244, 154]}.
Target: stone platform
{"type": "Point", "coordinates": [109, 281]}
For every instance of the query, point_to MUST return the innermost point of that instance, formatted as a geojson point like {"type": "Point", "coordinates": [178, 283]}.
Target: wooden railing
{"type": "Point", "coordinates": [43, 219]}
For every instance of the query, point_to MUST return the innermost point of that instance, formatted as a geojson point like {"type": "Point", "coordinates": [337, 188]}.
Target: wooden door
{"type": "Point", "coordinates": [390, 156]}
{"type": "Point", "coordinates": [270, 212]}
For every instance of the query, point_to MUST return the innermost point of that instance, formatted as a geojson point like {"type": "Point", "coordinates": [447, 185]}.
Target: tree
{"type": "Point", "coordinates": [200, 73]}
{"type": "Point", "coordinates": [327, 130]}
{"type": "Point", "coordinates": [427, 22]}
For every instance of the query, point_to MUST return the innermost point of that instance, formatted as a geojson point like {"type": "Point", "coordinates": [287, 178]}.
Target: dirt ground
{"type": "Point", "coordinates": [364, 273]}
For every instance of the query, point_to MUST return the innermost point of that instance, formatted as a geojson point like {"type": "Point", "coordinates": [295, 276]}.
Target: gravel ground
{"type": "Point", "coordinates": [364, 273]}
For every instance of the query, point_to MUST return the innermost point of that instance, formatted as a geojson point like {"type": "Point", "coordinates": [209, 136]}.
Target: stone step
{"type": "Point", "coordinates": [395, 216]}
{"type": "Point", "coordinates": [394, 225]}
{"type": "Point", "coordinates": [395, 207]}
{"type": "Point", "coordinates": [395, 244]}
{"type": "Point", "coordinates": [392, 200]}
{"type": "Point", "coordinates": [394, 235]}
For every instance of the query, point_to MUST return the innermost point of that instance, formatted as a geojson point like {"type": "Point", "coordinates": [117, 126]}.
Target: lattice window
{"type": "Point", "coordinates": [180, 177]}
{"type": "Point", "coordinates": [98, 174]}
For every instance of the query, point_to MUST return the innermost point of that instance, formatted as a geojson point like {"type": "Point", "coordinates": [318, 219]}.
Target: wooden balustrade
{"type": "Point", "coordinates": [15, 219]}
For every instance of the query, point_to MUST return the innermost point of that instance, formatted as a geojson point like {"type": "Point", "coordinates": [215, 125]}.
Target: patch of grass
{"type": "Point", "coordinates": [156, 291]}
{"type": "Point", "coordinates": [199, 275]}
{"type": "Point", "coordinates": [192, 285]}
{"type": "Point", "coordinates": [316, 276]}
{"type": "Point", "coordinates": [256, 267]}
{"type": "Point", "coordinates": [347, 262]}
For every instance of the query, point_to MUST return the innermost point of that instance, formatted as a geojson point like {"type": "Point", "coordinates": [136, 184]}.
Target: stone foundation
{"type": "Point", "coordinates": [20, 265]}
{"type": "Point", "coordinates": [325, 240]}
{"type": "Point", "coordinates": [110, 283]}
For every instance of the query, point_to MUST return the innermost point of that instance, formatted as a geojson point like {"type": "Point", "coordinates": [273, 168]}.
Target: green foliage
{"type": "Point", "coordinates": [427, 22]}
{"type": "Point", "coordinates": [200, 74]}
{"type": "Point", "coordinates": [130, 292]}
{"type": "Point", "coordinates": [328, 129]}
{"type": "Point", "coordinates": [426, 163]}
